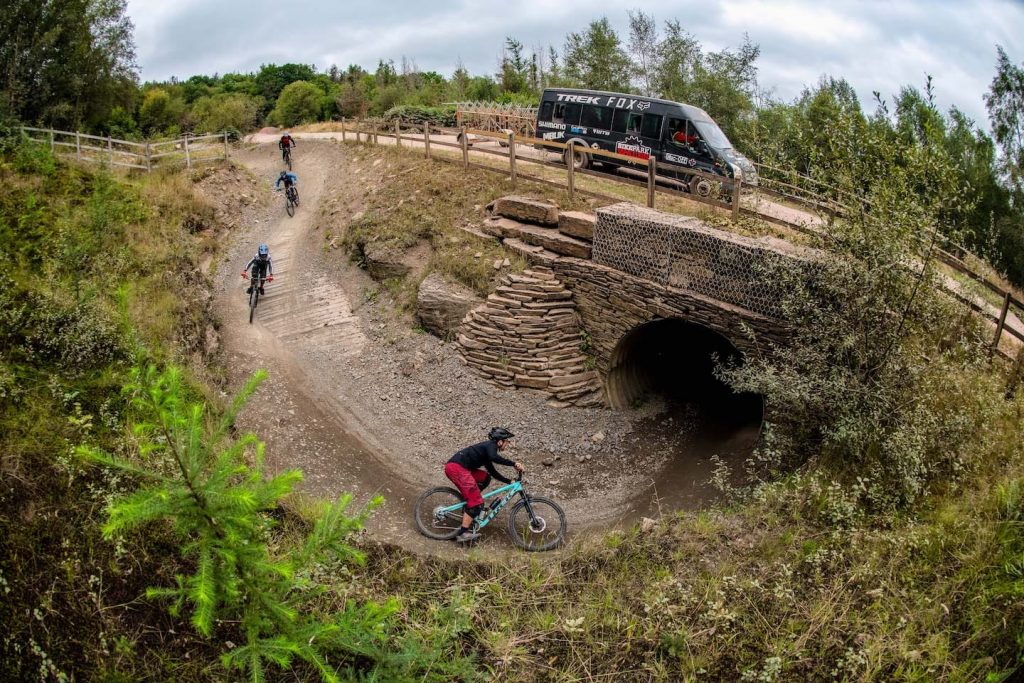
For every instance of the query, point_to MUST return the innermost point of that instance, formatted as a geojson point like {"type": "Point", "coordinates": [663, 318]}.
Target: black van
{"type": "Point", "coordinates": [641, 127]}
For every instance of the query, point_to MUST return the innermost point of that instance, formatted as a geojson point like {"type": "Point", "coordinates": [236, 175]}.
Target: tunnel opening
{"type": "Point", "coordinates": [702, 421]}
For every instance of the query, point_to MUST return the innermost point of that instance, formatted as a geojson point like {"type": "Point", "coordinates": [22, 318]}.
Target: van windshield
{"type": "Point", "coordinates": [713, 135]}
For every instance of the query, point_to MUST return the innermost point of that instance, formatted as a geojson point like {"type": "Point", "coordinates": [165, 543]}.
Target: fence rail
{"type": "Point", "coordinates": [188, 150]}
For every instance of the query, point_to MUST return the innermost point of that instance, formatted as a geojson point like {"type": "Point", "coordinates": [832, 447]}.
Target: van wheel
{"type": "Point", "coordinates": [699, 186]}
{"type": "Point", "coordinates": [580, 159]}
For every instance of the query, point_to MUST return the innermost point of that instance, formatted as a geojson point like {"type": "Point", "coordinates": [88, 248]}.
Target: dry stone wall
{"type": "Point", "coordinates": [527, 336]}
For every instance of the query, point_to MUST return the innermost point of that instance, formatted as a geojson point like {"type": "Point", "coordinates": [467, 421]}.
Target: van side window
{"type": "Point", "coordinates": [597, 117]}
{"type": "Point", "coordinates": [559, 112]}
{"type": "Point", "coordinates": [545, 111]}
{"type": "Point", "coordinates": [682, 132]}
{"type": "Point", "coordinates": [651, 127]}
{"type": "Point", "coordinates": [572, 113]}
{"type": "Point", "coordinates": [626, 121]}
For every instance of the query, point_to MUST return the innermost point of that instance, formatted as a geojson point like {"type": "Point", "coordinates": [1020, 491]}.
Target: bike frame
{"type": "Point", "coordinates": [508, 492]}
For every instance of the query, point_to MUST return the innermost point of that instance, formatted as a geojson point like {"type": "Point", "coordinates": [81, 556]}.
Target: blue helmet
{"type": "Point", "coordinates": [263, 251]}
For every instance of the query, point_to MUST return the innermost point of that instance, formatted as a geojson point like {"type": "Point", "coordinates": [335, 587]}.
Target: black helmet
{"type": "Point", "coordinates": [499, 434]}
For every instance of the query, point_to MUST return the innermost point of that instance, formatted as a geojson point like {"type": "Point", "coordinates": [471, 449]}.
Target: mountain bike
{"type": "Point", "coordinates": [287, 155]}
{"type": "Point", "coordinates": [534, 523]}
{"type": "Point", "coordinates": [254, 294]}
{"type": "Point", "coordinates": [291, 200]}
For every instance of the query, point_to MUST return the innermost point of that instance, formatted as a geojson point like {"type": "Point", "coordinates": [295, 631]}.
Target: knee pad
{"type": "Point", "coordinates": [474, 511]}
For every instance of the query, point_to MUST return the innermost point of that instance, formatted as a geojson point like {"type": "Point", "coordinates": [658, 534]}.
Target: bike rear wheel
{"type": "Point", "coordinates": [430, 521]}
{"type": "Point", "coordinates": [543, 530]}
{"type": "Point", "coordinates": [288, 159]}
{"type": "Point", "coordinates": [289, 206]}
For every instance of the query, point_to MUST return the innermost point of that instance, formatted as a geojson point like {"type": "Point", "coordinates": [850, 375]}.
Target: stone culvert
{"type": "Point", "coordinates": [527, 336]}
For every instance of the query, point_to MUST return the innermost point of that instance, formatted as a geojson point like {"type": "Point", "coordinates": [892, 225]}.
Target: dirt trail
{"type": "Point", "coordinates": [363, 405]}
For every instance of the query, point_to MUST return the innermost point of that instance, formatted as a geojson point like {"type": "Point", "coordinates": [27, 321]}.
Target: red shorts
{"type": "Point", "coordinates": [468, 482]}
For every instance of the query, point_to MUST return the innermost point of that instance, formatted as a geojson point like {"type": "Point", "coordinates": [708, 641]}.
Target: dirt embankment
{"type": "Point", "coordinates": [363, 402]}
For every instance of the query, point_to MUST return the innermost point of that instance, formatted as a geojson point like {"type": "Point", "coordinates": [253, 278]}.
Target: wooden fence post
{"type": "Point", "coordinates": [78, 145]}
{"type": "Point", "coordinates": [652, 171]}
{"type": "Point", "coordinates": [426, 139]}
{"type": "Point", "coordinates": [357, 130]}
{"type": "Point", "coordinates": [343, 129]}
{"type": "Point", "coordinates": [465, 147]}
{"type": "Point", "coordinates": [570, 159]}
{"type": "Point", "coordinates": [225, 145]}
{"type": "Point", "coordinates": [188, 157]}
{"type": "Point", "coordinates": [398, 134]}
{"type": "Point", "coordinates": [149, 157]}
{"type": "Point", "coordinates": [512, 156]}
{"type": "Point", "coordinates": [53, 145]}
{"type": "Point", "coordinates": [1002, 320]}
{"type": "Point", "coordinates": [376, 140]}
{"type": "Point", "coordinates": [110, 150]}
{"type": "Point", "coordinates": [737, 191]}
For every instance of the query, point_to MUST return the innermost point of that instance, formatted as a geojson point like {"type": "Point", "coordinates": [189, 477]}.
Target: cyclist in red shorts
{"type": "Point", "coordinates": [464, 470]}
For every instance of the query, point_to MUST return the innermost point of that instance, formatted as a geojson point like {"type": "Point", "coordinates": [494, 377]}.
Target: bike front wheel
{"type": "Point", "coordinates": [538, 526]}
{"type": "Point", "coordinates": [431, 521]}
{"type": "Point", "coordinates": [289, 207]}
{"type": "Point", "coordinates": [254, 296]}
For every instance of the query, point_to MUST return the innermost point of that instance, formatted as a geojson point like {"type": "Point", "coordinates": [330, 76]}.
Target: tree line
{"type": "Point", "coordinates": [71, 64]}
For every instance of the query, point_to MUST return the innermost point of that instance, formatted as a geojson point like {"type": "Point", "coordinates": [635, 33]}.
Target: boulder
{"type": "Point", "coordinates": [383, 262]}
{"type": "Point", "coordinates": [577, 224]}
{"type": "Point", "coordinates": [441, 305]}
{"type": "Point", "coordinates": [526, 210]}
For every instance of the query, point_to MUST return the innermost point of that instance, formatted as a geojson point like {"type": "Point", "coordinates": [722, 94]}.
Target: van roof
{"type": "Point", "coordinates": [693, 112]}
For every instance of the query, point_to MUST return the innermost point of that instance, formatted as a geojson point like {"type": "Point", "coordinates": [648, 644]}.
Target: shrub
{"type": "Point", "coordinates": [299, 102]}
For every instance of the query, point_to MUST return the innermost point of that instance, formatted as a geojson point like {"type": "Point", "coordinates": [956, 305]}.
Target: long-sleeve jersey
{"type": "Point", "coordinates": [266, 266]}
{"type": "Point", "coordinates": [483, 454]}
{"type": "Point", "coordinates": [288, 178]}
{"type": "Point", "coordinates": [286, 141]}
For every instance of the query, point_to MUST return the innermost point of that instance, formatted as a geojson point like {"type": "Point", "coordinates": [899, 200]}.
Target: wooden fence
{"type": "Point", "coordinates": [188, 150]}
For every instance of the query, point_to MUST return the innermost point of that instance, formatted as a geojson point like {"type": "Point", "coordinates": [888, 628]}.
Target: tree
{"type": "Point", "coordinates": [159, 111]}
{"type": "Point", "coordinates": [226, 111]}
{"type": "Point", "coordinates": [595, 59]}
{"type": "Point", "coordinates": [67, 64]}
{"type": "Point", "coordinates": [643, 44]}
{"type": "Point", "coordinates": [514, 75]}
{"type": "Point", "coordinates": [272, 79]}
{"type": "Point", "coordinates": [299, 102]}
{"type": "Point", "coordinates": [1005, 103]}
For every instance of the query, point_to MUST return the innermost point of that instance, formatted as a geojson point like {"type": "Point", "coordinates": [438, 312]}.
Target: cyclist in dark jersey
{"type": "Point", "coordinates": [464, 470]}
{"type": "Point", "coordinates": [262, 268]}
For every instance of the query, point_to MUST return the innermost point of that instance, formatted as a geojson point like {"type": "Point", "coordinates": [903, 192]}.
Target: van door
{"type": "Point", "coordinates": [683, 144]}
{"type": "Point", "coordinates": [641, 137]}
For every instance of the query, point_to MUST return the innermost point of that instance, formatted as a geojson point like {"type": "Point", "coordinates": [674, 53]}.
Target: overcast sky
{"type": "Point", "coordinates": [874, 45]}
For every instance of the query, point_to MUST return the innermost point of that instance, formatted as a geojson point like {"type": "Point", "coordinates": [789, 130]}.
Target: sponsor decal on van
{"type": "Point", "coordinates": [582, 99]}
{"type": "Point", "coordinates": [598, 131]}
{"type": "Point", "coordinates": [633, 147]}
{"type": "Point", "coordinates": [579, 130]}
{"type": "Point", "coordinates": [553, 136]}
{"type": "Point", "coordinates": [548, 124]}
{"type": "Point", "coordinates": [681, 160]}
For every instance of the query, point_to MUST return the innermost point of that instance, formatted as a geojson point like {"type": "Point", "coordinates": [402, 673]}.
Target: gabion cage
{"type": "Point", "coordinates": [684, 253]}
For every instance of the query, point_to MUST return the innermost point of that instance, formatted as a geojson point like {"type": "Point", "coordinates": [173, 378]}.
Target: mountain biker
{"type": "Point", "coordinates": [289, 179]}
{"type": "Point", "coordinates": [285, 143]}
{"type": "Point", "coordinates": [262, 268]}
{"type": "Point", "coordinates": [463, 469]}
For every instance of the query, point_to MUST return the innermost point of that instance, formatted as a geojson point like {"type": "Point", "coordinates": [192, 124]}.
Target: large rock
{"type": "Point", "coordinates": [384, 262]}
{"type": "Point", "coordinates": [441, 305]}
{"type": "Point", "coordinates": [526, 209]}
{"type": "Point", "coordinates": [577, 224]}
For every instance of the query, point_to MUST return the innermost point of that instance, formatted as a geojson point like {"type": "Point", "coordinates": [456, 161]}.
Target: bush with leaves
{"type": "Point", "coordinates": [194, 475]}
{"type": "Point", "coordinates": [883, 381]}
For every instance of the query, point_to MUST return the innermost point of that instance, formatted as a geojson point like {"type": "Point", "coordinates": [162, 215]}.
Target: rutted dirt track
{"type": "Point", "coordinates": [362, 403]}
